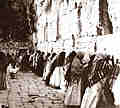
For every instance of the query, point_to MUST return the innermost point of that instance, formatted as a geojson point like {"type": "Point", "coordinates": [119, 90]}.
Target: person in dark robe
{"type": "Point", "coordinates": [73, 96]}
{"type": "Point", "coordinates": [98, 85]}
{"type": "Point", "coordinates": [69, 60]}
{"type": "Point", "coordinates": [10, 59]}
{"type": "Point", "coordinates": [40, 64]}
{"type": "Point", "coordinates": [3, 66]}
{"type": "Point", "coordinates": [25, 61]}
{"type": "Point", "coordinates": [86, 72]}
{"type": "Point", "coordinates": [59, 61]}
{"type": "Point", "coordinates": [57, 75]}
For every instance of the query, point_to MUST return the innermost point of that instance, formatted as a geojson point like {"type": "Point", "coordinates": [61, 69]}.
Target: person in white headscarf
{"type": "Point", "coordinates": [57, 77]}
{"type": "Point", "coordinates": [48, 64]}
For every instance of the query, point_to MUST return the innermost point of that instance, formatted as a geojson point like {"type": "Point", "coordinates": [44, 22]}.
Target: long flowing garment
{"type": "Point", "coordinates": [98, 82]}
{"type": "Point", "coordinates": [2, 77]}
{"type": "Point", "coordinates": [57, 79]}
{"type": "Point", "coordinates": [9, 67]}
{"type": "Point", "coordinates": [49, 71]}
{"type": "Point", "coordinates": [46, 70]}
{"type": "Point", "coordinates": [40, 66]}
{"type": "Point", "coordinates": [73, 95]}
{"type": "Point", "coordinates": [3, 66]}
{"type": "Point", "coordinates": [91, 96]}
{"type": "Point", "coordinates": [116, 87]}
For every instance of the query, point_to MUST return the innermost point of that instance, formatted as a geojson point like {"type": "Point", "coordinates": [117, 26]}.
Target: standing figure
{"type": "Point", "coordinates": [3, 66]}
{"type": "Point", "coordinates": [73, 96]}
{"type": "Point", "coordinates": [116, 82]}
{"type": "Point", "coordinates": [46, 67]}
{"type": "Point", "coordinates": [98, 93]}
{"type": "Point", "coordinates": [47, 72]}
{"type": "Point", "coordinates": [57, 77]}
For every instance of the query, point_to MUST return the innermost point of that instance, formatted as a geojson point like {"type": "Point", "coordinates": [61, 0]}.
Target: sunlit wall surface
{"type": "Point", "coordinates": [59, 18]}
{"type": "Point", "coordinates": [63, 20]}
{"type": "Point", "coordinates": [114, 12]}
{"type": "Point", "coordinates": [90, 17]}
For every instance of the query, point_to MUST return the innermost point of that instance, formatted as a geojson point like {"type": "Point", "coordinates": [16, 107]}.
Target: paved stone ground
{"type": "Point", "coordinates": [29, 91]}
{"type": "Point", "coordinates": [3, 97]}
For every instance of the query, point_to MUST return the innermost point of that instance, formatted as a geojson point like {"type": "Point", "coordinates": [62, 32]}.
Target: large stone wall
{"type": "Point", "coordinates": [114, 12]}
{"type": "Point", "coordinates": [66, 17]}
{"type": "Point", "coordinates": [61, 21]}
{"type": "Point", "coordinates": [90, 18]}
{"type": "Point", "coordinates": [62, 18]}
{"type": "Point", "coordinates": [107, 44]}
{"type": "Point", "coordinates": [25, 9]}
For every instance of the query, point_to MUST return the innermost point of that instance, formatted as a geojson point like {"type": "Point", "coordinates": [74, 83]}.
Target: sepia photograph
{"type": "Point", "coordinates": [59, 53]}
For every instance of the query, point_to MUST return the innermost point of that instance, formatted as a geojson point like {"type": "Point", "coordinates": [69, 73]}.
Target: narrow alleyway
{"type": "Point", "coordinates": [29, 91]}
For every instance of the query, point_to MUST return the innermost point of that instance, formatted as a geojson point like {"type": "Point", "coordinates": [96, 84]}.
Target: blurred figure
{"type": "Point", "coordinates": [3, 66]}
{"type": "Point", "coordinates": [74, 94]}
{"type": "Point", "coordinates": [57, 78]}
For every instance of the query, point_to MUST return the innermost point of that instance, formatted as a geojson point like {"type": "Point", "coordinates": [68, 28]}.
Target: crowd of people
{"type": "Point", "coordinates": [88, 80]}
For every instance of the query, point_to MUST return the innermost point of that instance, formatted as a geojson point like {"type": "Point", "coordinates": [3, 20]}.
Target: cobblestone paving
{"type": "Point", "coordinates": [29, 91]}
{"type": "Point", "coordinates": [3, 97]}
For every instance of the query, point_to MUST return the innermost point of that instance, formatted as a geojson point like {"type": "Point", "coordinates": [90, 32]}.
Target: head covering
{"type": "Point", "coordinates": [80, 55]}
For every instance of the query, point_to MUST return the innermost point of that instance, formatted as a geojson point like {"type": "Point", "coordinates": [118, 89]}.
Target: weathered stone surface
{"type": "Point", "coordinates": [29, 91]}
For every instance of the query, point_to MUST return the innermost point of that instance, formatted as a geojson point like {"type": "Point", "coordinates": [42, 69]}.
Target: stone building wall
{"type": "Point", "coordinates": [103, 14]}
{"type": "Point", "coordinates": [114, 12]}
{"type": "Point", "coordinates": [26, 10]}
{"type": "Point", "coordinates": [66, 17]}
{"type": "Point", "coordinates": [62, 18]}
{"type": "Point", "coordinates": [59, 18]}
{"type": "Point", "coordinates": [58, 21]}
{"type": "Point", "coordinates": [13, 22]}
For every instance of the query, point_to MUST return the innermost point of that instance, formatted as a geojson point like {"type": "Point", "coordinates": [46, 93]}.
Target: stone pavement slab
{"type": "Point", "coordinates": [29, 91]}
